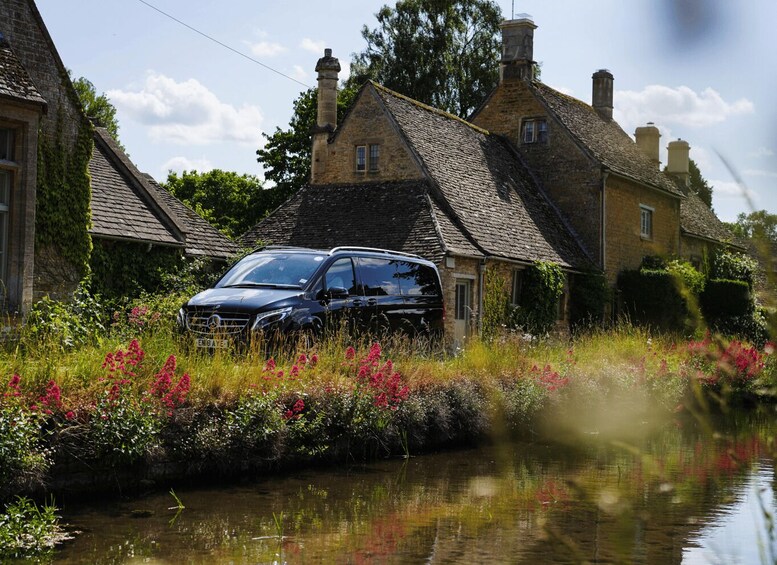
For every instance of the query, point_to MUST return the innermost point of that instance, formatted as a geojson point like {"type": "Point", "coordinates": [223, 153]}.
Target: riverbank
{"type": "Point", "coordinates": [113, 418]}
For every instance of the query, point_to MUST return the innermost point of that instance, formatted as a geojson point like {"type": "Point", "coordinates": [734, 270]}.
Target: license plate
{"type": "Point", "coordinates": [212, 343]}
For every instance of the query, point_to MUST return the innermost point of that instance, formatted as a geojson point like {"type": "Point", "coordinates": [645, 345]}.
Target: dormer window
{"type": "Point", "coordinates": [367, 157]}
{"type": "Point", "coordinates": [535, 130]}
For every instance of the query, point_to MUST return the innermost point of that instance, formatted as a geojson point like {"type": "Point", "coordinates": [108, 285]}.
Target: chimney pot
{"type": "Point", "coordinates": [647, 138]}
{"type": "Point", "coordinates": [327, 68]}
{"type": "Point", "coordinates": [678, 160]}
{"type": "Point", "coordinates": [517, 48]}
{"type": "Point", "coordinates": [602, 93]}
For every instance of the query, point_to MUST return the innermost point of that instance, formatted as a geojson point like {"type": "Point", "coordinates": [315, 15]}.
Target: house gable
{"type": "Point", "coordinates": [569, 174]}
{"type": "Point", "coordinates": [365, 127]}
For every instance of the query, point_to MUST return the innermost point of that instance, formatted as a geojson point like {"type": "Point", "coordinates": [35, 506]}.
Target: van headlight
{"type": "Point", "coordinates": [181, 319]}
{"type": "Point", "coordinates": [270, 317]}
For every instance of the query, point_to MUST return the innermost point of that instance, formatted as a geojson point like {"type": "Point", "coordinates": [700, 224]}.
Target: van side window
{"type": "Point", "coordinates": [416, 279]}
{"type": "Point", "coordinates": [340, 274]}
{"type": "Point", "coordinates": [379, 276]}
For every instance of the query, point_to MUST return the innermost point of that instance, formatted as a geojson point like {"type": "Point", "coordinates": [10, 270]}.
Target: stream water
{"type": "Point", "coordinates": [681, 494]}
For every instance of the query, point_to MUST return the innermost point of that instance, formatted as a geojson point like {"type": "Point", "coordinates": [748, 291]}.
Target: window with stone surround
{"type": "Point", "coordinates": [645, 221]}
{"type": "Point", "coordinates": [8, 167]}
{"type": "Point", "coordinates": [361, 157]}
{"type": "Point", "coordinates": [534, 130]}
{"type": "Point", "coordinates": [368, 157]}
{"type": "Point", "coordinates": [374, 156]}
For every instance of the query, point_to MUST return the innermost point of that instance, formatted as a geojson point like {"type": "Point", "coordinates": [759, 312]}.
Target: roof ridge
{"type": "Point", "coordinates": [428, 108]}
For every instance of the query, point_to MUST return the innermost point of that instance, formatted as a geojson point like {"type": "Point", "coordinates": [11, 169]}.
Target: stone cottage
{"type": "Point", "coordinates": [65, 186]}
{"type": "Point", "coordinates": [532, 175]}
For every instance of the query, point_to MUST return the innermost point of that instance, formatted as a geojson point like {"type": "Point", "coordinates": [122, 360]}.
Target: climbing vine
{"type": "Point", "coordinates": [543, 284]}
{"type": "Point", "coordinates": [496, 303]}
{"type": "Point", "coordinates": [63, 216]}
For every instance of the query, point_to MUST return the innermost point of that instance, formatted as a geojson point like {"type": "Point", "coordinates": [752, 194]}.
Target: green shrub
{"type": "Point", "coordinates": [734, 266]}
{"type": "Point", "coordinates": [496, 304]}
{"type": "Point", "coordinates": [654, 298]}
{"type": "Point", "coordinates": [692, 280]}
{"type": "Point", "coordinates": [543, 284]}
{"type": "Point", "coordinates": [66, 324]}
{"type": "Point", "coordinates": [27, 530]}
{"type": "Point", "coordinates": [589, 295]}
{"type": "Point", "coordinates": [23, 461]}
{"type": "Point", "coordinates": [722, 298]}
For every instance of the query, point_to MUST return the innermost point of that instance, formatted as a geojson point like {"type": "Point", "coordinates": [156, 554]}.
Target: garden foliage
{"type": "Point", "coordinates": [543, 285]}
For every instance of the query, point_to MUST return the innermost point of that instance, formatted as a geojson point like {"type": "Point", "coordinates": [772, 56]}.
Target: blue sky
{"type": "Point", "coordinates": [702, 70]}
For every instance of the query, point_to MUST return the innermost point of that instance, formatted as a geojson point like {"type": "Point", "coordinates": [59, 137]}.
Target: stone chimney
{"type": "Point", "coordinates": [602, 93]}
{"type": "Point", "coordinates": [327, 68]}
{"type": "Point", "coordinates": [517, 49]}
{"type": "Point", "coordinates": [647, 140]}
{"type": "Point", "coordinates": [677, 161]}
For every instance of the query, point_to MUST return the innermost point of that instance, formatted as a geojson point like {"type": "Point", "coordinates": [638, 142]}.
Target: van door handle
{"type": "Point", "coordinates": [372, 301]}
{"type": "Point", "coordinates": [356, 303]}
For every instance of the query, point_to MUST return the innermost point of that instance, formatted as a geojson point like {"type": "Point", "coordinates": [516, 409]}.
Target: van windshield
{"type": "Point", "coordinates": [289, 270]}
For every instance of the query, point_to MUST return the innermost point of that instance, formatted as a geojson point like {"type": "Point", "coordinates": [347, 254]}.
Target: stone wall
{"type": "Point", "coordinates": [571, 179]}
{"type": "Point", "coordinates": [22, 26]}
{"type": "Point", "coordinates": [464, 268]}
{"type": "Point", "coordinates": [367, 124]}
{"type": "Point", "coordinates": [625, 246]}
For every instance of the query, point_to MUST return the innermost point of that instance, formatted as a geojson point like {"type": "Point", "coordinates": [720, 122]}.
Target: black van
{"type": "Point", "coordinates": [293, 289]}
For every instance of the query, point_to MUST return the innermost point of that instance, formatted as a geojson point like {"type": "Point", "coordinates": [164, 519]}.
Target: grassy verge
{"type": "Point", "coordinates": [135, 401]}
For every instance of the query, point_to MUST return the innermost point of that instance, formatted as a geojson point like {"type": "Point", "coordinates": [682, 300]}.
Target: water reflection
{"type": "Point", "coordinates": [676, 497]}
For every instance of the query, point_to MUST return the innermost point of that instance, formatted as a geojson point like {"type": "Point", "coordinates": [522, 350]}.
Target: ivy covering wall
{"type": "Point", "coordinates": [63, 213]}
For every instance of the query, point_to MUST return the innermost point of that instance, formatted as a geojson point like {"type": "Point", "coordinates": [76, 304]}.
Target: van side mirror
{"type": "Point", "coordinates": [335, 292]}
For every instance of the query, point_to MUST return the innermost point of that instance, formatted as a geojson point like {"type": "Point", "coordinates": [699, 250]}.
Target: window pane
{"type": "Point", "coordinates": [528, 131]}
{"type": "Point", "coordinates": [361, 158]}
{"type": "Point", "coordinates": [340, 275]}
{"type": "Point", "coordinates": [416, 280]}
{"type": "Point", "coordinates": [374, 156]}
{"type": "Point", "coordinates": [5, 189]}
{"type": "Point", "coordinates": [6, 144]}
{"type": "Point", "coordinates": [379, 277]}
{"type": "Point", "coordinates": [542, 131]}
{"type": "Point", "coordinates": [646, 222]}
{"type": "Point", "coordinates": [462, 300]}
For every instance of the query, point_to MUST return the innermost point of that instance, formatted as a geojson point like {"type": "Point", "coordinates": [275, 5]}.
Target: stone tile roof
{"type": "Point", "coordinates": [127, 205]}
{"type": "Point", "coordinates": [482, 183]}
{"type": "Point", "coordinates": [15, 83]}
{"type": "Point", "coordinates": [603, 139]}
{"type": "Point", "coordinates": [202, 239]}
{"type": "Point", "coordinates": [697, 220]}
{"type": "Point", "coordinates": [392, 215]}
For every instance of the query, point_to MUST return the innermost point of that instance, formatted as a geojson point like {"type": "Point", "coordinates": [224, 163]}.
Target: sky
{"type": "Point", "coordinates": [701, 70]}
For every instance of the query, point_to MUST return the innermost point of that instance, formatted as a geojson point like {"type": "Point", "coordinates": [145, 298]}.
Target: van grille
{"type": "Point", "coordinates": [211, 323]}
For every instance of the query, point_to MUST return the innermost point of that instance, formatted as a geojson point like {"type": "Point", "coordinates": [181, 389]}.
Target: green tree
{"type": "Point", "coordinates": [759, 225]}
{"type": "Point", "coordinates": [98, 107]}
{"type": "Point", "coordinates": [440, 52]}
{"type": "Point", "coordinates": [699, 184]}
{"type": "Point", "coordinates": [286, 155]}
{"type": "Point", "coordinates": [231, 202]}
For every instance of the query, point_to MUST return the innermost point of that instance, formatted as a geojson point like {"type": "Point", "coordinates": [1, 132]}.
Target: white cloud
{"type": "Point", "coordinates": [762, 152]}
{"type": "Point", "coordinates": [682, 105]}
{"type": "Point", "coordinates": [313, 46]}
{"type": "Point", "coordinates": [187, 113]}
{"type": "Point", "coordinates": [299, 73]}
{"type": "Point", "coordinates": [731, 190]}
{"type": "Point", "coordinates": [181, 164]}
{"type": "Point", "coordinates": [266, 49]}
{"type": "Point", "coordinates": [760, 173]}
